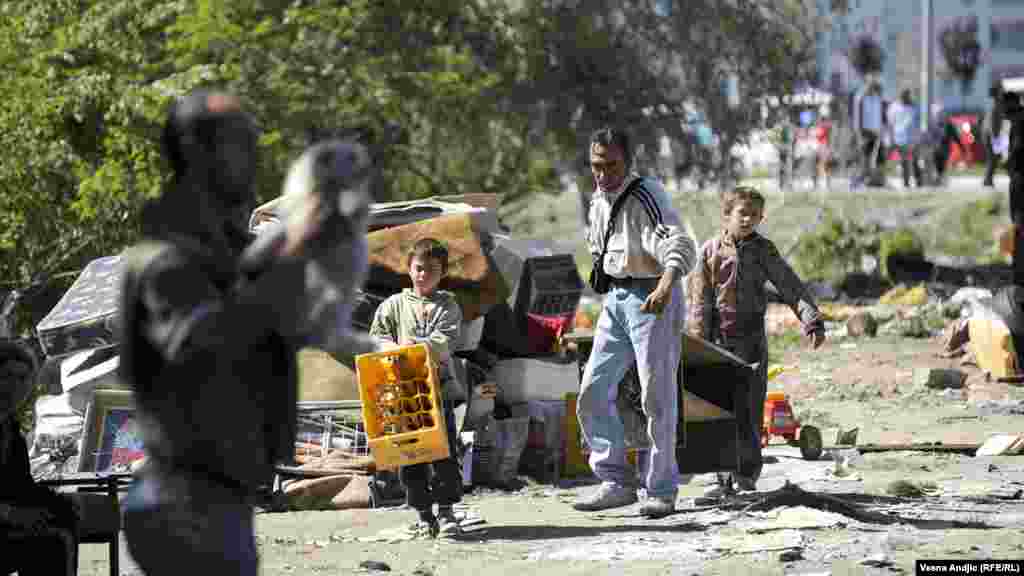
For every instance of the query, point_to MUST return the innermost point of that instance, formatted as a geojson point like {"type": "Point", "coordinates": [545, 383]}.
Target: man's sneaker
{"type": "Point", "coordinates": [448, 524]}
{"type": "Point", "coordinates": [655, 507]}
{"type": "Point", "coordinates": [608, 495]}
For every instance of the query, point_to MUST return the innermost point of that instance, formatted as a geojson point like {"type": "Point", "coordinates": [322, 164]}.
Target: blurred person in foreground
{"type": "Point", "coordinates": [210, 351]}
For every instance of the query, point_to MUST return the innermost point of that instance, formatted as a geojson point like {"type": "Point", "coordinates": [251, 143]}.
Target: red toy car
{"type": "Point", "coordinates": [779, 421]}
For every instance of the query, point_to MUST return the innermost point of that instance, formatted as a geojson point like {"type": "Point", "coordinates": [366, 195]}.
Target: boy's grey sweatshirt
{"type": "Point", "coordinates": [434, 319]}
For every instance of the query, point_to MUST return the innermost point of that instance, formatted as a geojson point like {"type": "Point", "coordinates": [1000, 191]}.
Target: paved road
{"type": "Point", "coordinates": [957, 183]}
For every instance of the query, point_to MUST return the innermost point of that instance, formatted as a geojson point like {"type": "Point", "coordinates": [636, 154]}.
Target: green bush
{"type": "Point", "coordinates": [903, 242]}
{"type": "Point", "coordinates": [968, 231]}
{"type": "Point", "coordinates": [833, 249]}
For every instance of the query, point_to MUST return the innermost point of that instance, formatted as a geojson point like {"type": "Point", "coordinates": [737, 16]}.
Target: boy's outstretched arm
{"type": "Point", "coordinates": [794, 293]}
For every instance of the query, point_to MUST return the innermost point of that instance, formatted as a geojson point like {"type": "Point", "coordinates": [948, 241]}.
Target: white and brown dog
{"type": "Point", "coordinates": [323, 218]}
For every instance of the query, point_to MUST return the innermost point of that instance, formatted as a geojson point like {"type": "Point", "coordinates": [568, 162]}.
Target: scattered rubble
{"type": "Point", "coordinates": [910, 489]}
{"type": "Point", "coordinates": [374, 566]}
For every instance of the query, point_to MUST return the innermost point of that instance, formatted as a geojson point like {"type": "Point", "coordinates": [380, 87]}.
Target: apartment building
{"type": "Point", "coordinates": [898, 26]}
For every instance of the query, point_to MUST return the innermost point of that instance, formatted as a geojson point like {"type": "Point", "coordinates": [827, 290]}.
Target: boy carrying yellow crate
{"type": "Point", "coordinates": [424, 314]}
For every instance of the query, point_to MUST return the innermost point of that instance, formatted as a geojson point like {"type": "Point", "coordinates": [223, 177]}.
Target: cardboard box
{"type": "Point", "coordinates": [523, 379]}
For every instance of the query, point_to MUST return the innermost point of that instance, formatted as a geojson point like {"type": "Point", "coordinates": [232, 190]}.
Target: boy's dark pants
{"type": "Point", "coordinates": [435, 482]}
{"type": "Point", "coordinates": [750, 414]}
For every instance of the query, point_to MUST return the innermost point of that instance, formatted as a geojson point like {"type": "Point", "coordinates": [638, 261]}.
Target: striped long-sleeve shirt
{"type": "Point", "coordinates": [647, 236]}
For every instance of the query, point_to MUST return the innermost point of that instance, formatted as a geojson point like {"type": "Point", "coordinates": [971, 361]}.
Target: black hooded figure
{"type": "Point", "coordinates": [211, 357]}
{"type": "Point", "coordinates": [38, 527]}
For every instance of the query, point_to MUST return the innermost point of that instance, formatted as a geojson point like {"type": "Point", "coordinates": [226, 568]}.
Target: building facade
{"type": "Point", "coordinates": [899, 26]}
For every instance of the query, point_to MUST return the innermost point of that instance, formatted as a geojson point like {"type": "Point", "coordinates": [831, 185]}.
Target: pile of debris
{"type": "Point", "coordinates": [518, 296]}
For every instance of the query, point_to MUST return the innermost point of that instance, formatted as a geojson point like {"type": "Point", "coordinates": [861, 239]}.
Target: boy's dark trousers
{"type": "Point", "coordinates": [750, 410]}
{"type": "Point", "coordinates": [437, 482]}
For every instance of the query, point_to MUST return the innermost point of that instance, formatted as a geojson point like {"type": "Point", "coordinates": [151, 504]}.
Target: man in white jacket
{"type": "Point", "coordinates": [642, 321]}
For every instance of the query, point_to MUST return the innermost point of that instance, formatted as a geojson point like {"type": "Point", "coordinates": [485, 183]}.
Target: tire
{"type": "Point", "coordinates": [810, 443]}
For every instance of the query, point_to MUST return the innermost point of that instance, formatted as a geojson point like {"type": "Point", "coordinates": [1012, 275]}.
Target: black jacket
{"type": "Point", "coordinates": [212, 361]}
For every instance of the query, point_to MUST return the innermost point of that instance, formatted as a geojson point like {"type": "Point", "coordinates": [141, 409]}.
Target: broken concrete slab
{"type": "Point", "coordinates": [1002, 444]}
{"type": "Point", "coordinates": [796, 518]}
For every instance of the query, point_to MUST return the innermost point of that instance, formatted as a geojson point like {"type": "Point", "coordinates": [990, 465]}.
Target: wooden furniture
{"type": "Point", "coordinates": [713, 392]}
{"type": "Point", "coordinates": [101, 513]}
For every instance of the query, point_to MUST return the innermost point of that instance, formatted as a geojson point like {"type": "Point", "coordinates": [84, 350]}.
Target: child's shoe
{"type": "Point", "coordinates": [427, 526]}
{"type": "Point", "coordinates": [424, 530]}
{"type": "Point", "coordinates": [448, 524]}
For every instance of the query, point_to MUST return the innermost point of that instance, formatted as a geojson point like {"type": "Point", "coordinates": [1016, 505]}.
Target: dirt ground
{"type": "Point", "coordinates": [971, 508]}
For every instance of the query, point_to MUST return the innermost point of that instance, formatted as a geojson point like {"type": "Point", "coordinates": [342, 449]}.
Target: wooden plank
{"type": "Point", "coordinates": [916, 447]}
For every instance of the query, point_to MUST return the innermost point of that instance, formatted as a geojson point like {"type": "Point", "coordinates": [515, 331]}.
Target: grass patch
{"type": "Point", "coordinates": [969, 231]}
{"type": "Point", "coordinates": [936, 215]}
{"type": "Point", "coordinates": [584, 263]}
{"type": "Point", "coordinates": [779, 344]}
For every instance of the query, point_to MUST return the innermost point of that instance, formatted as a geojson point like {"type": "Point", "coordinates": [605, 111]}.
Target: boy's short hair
{"type": "Point", "coordinates": [431, 249]}
{"type": "Point", "coordinates": [741, 194]}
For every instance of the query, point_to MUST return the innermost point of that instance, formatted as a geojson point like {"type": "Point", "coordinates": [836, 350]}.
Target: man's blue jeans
{"type": "Point", "coordinates": [623, 335]}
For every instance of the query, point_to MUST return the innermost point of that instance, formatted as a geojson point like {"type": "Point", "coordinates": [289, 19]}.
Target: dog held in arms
{"type": "Point", "coordinates": [325, 207]}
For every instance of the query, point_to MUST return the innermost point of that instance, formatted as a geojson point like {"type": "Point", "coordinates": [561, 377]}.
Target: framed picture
{"type": "Point", "coordinates": [110, 441]}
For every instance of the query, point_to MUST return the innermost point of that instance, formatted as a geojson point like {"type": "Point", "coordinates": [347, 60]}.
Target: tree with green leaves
{"type": "Point", "coordinates": [961, 50]}
{"type": "Point", "coordinates": [866, 56]}
{"type": "Point", "coordinates": [454, 97]}
{"type": "Point", "coordinates": [86, 84]}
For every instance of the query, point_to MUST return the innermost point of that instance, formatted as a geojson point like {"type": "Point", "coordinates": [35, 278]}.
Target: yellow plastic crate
{"type": "Point", "coordinates": [402, 411]}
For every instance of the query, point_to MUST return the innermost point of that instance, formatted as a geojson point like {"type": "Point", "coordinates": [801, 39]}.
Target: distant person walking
{"type": "Point", "coordinates": [868, 118]}
{"type": "Point", "coordinates": [991, 128]}
{"type": "Point", "coordinates": [942, 136]}
{"type": "Point", "coordinates": [903, 130]}
{"type": "Point", "coordinates": [823, 136]}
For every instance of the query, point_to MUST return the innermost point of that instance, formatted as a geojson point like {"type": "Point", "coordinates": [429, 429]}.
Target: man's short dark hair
{"type": "Point", "coordinates": [608, 136]}
{"type": "Point", "coordinates": [430, 249]}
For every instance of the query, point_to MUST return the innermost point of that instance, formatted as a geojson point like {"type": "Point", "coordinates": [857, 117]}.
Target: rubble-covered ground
{"type": "Point", "coordinates": [946, 505]}
{"type": "Point", "coordinates": [872, 513]}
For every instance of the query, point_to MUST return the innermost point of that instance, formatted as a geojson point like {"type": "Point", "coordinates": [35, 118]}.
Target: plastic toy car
{"type": "Point", "coordinates": [780, 421]}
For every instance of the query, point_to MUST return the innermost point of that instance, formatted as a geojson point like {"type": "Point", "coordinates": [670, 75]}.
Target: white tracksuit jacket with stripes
{"type": "Point", "coordinates": [647, 236]}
